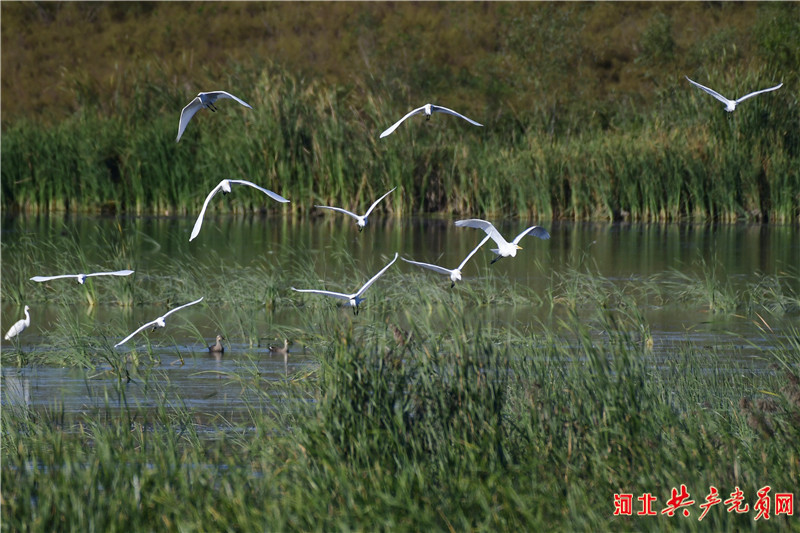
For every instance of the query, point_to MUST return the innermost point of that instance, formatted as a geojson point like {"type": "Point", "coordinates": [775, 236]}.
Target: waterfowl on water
{"type": "Point", "coordinates": [361, 220]}
{"type": "Point", "coordinates": [19, 326]}
{"type": "Point", "coordinates": [218, 347]}
{"type": "Point", "coordinates": [280, 351]}
{"type": "Point", "coordinates": [200, 101]}
{"type": "Point", "coordinates": [354, 299]}
{"type": "Point", "coordinates": [157, 323]}
{"type": "Point", "coordinates": [504, 248]}
{"type": "Point", "coordinates": [428, 109]}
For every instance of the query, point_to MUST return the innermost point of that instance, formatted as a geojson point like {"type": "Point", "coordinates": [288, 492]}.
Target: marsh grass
{"type": "Point", "coordinates": [471, 428]}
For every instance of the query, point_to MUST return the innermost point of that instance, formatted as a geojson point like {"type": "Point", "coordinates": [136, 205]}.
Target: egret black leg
{"type": "Point", "coordinates": [496, 259]}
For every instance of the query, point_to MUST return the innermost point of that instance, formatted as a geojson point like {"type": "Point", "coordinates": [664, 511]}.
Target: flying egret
{"type": "Point", "coordinates": [218, 347]}
{"type": "Point", "coordinates": [225, 187]}
{"type": "Point", "coordinates": [19, 326]}
{"type": "Point", "coordinates": [361, 220]}
{"type": "Point", "coordinates": [82, 277]}
{"type": "Point", "coordinates": [730, 105]}
{"type": "Point", "coordinates": [504, 248]}
{"type": "Point", "coordinates": [428, 109]}
{"type": "Point", "coordinates": [353, 300]}
{"type": "Point", "coordinates": [455, 274]}
{"type": "Point", "coordinates": [200, 101]}
{"type": "Point", "coordinates": [157, 323]}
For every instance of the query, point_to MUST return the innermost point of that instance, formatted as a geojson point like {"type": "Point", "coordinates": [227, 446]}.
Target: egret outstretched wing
{"type": "Point", "coordinates": [115, 273]}
{"type": "Point", "coordinates": [435, 268]}
{"type": "Point", "coordinates": [48, 278]}
{"type": "Point", "coordinates": [376, 203]}
{"type": "Point", "coordinates": [274, 196]}
{"type": "Point", "coordinates": [141, 328]}
{"type": "Point", "coordinates": [339, 209]}
{"type": "Point", "coordinates": [745, 97]}
{"type": "Point", "coordinates": [326, 293]}
{"type": "Point", "coordinates": [375, 277]}
{"type": "Point", "coordinates": [181, 307]}
{"type": "Point", "coordinates": [537, 231]}
{"type": "Point", "coordinates": [464, 262]}
{"type": "Point", "coordinates": [451, 112]}
{"type": "Point", "coordinates": [486, 226]}
{"type": "Point", "coordinates": [199, 222]}
{"type": "Point", "coordinates": [186, 115]}
{"type": "Point", "coordinates": [393, 127]}
{"type": "Point", "coordinates": [712, 92]}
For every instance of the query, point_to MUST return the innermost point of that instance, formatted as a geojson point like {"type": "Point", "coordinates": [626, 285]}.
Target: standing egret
{"type": "Point", "coordinates": [157, 323]}
{"type": "Point", "coordinates": [19, 326]}
{"type": "Point", "coordinates": [353, 300]}
{"type": "Point", "coordinates": [428, 109]}
{"type": "Point", "coordinates": [225, 187]}
{"type": "Point", "coordinates": [361, 220]}
{"type": "Point", "coordinates": [200, 101]}
{"type": "Point", "coordinates": [504, 248]}
{"type": "Point", "coordinates": [730, 105]}
{"type": "Point", "coordinates": [455, 274]}
{"type": "Point", "coordinates": [82, 277]}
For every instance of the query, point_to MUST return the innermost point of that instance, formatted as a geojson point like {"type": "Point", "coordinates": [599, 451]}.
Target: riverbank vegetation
{"type": "Point", "coordinates": [585, 109]}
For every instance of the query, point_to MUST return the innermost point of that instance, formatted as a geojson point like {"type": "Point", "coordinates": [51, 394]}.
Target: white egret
{"type": "Point", "coordinates": [225, 187]}
{"type": "Point", "coordinates": [504, 248]}
{"type": "Point", "coordinates": [455, 274]}
{"type": "Point", "coordinates": [200, 101]}
{"type": "Point", "coordinates": [730, 105]}
{"type": "Point", "coordinates": [218, 347]}
{"type": "Point", "coordinates": [82, 277]}
{"type": "Point", "coordinates": [353, 300]}
{"type": "Point", "coordinates": [19, 326]}
{"type": "Point", "coordinates": [428, 109]}
{"type": "Point", "coordinates": [157, 323]}
{"type": "Point", "coordinates": [361, 220]}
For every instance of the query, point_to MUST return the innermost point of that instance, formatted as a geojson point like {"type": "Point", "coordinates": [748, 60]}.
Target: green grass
{"type": "Point", "coordinates": [462, 428]}
{"type": "Point", "coordinates": [586, 112]}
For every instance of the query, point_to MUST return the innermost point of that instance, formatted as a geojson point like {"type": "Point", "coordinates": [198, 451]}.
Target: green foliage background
{"type": "Point", "coordinates": [586, 111]}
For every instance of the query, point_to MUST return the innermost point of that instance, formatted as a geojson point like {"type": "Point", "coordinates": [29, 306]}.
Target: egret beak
{"type": "Point", "coordinates": [518, 247]}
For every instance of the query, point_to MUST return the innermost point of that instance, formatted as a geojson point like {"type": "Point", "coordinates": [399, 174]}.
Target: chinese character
{"type": "Point", "coordinates": [784, 503]}
{"type": "Point", "coordinates": [677, 501]}
{"type": "Point", "coordinates": [762, 505]}
{"type": "Point", "coordinates": [711, 499]}
{"type": "Point", "coordinates": [647, 500]}
{"type": "Point", "coordinates": [735, 501]}
{"type": "Point", "coordinates": [623, 504]}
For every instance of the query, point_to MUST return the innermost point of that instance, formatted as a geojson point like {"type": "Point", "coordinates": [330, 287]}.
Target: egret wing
{"type": "Point", "coordinates": [376, 203]}
{"type": "Point", "coordinates": [326, 293]}
{"type": "Point", "coordinates": [181, 307]}
{"type": "Point", "coordinates": [187, 114]}
{"type": "Point", "coordinates": [129, 337]}
{"type": "Point", "coordinates": [486, 226]}
{"type": "Point", "coordinates": [376, 276]}
{"type": "Point", "coordinates": [745, 97]}
{"type": "Point", "coordinates": [464, 262]}
{"type": "Point", "coordinates": [537, 231]}
{"type": "Point", "coordinates": [274, 196]}
{"type": "Point", "coordinates": [393, 127]}
{"type": "Point", "coordinates": [339, 209]}
{"type": "Point", "coordinates": [199, 222]}
{"type": "Point", "coordinates": [116, 273]}
{"type": "Point", "coordinates": [712, 92]}
{"type": "Point", "coordinates": [451, 112]}
{"type": "Point", "coordinates": [435, 268]}
{"type": "Point", "coordinates": [215, 95]}
{"type": "Point", "coordinates": [48, 278]}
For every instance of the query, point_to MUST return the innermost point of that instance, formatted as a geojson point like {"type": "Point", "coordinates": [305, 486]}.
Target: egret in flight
{"type": "Point", "coordinates": [353, 300]}
{"type": "Point", "coordinates": [200, 101]}
{"type": "Point", "coordinates": [361, 220]}
{"type": "Point", "coordinates": [82, 277]}
{"type": "Point", "coordinates": [504, 248]}
{"type": "Point", "coordinates": [225, 187]}
{"type": "Point", "coordinates": [19, 326]}
{"type": "Point", "coordinates": [428, 109]}
{"type": "Point", "coordinates": [730, 105]}
{"type": "Point", "coordinates": [455, 274]}
{"type": "Point", "coordinates": [157, 323]}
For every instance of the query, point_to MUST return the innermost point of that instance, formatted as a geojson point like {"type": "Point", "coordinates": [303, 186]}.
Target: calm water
{"type": "Point", "coordinates": [332, 243]}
